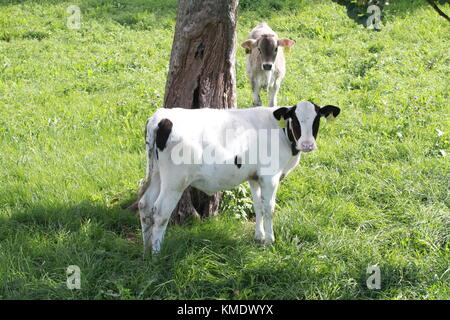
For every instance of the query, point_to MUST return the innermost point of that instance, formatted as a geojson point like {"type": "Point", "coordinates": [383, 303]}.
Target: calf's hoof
{"type": "Point", "coordinates": [259, 240]}
{"type": "Point", "coordinates": [269, 241]}
{"type": "Point", "coordinates": [259, 237]}
{"type": "Point", "coordinates": [257, 103]}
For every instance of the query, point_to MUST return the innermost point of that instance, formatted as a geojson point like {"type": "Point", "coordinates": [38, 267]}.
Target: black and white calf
{"type": "Point", "coordinates": [214, 150]}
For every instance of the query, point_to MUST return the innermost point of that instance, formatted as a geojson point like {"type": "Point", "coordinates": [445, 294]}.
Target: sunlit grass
{"type": "Point", "coordinates": [73, 104]}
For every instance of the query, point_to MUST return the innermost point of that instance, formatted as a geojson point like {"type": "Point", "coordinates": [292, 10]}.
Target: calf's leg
{"type": "Point", "coordinates": [146, 207]}
{"type": "Point", "coordinates": [164, 206]}
{"type": "Point", "coordinates": [257, 205]}
{"type": "Point", "coordinates": [269, 186]}
{"type": "Point", "coordinates": [273, 92]}
{"type": "Point", "coordinates": [255, 89]}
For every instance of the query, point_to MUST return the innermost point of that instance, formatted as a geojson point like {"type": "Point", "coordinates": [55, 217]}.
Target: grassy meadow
{"type": "Point", "coordinates": [73, 104]}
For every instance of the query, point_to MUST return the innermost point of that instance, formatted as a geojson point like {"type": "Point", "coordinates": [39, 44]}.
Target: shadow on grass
{"type": "Point", "coordinates": [131, 12]}
{"type": "Point", "coordinates": [39, 243]}
{"type": "Point", "coordinates": [354, 12]}
{"type": "Point", "coordinates": [209, 259]}
{"type": "Point", "coordinates": [360, 15]}
{"type": "Point", "coordinates": [213, 258]}
{"type": "Point", "coordinates": [400, 8]}
{"type": "Point", "coordinates": [145, 14]}
{"type": "Point", "coordinates": [135, 14]}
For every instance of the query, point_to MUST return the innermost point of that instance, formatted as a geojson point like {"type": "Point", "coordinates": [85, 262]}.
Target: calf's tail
{"type": "Point", "coordinates": [150, 144]}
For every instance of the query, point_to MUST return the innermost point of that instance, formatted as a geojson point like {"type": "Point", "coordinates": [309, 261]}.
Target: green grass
{"type": "Point", "coordinates": [73, 104]}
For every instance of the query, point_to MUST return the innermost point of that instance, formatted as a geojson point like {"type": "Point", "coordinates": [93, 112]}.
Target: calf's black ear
{"type": "Point", "coordinates": [280, 112]}
{"type": "Point", "coordinates": [284, 112]}
{"type": "Point", "coordinates": [329, 110]}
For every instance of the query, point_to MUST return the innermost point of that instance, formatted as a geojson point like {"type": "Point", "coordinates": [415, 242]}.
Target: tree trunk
{"type": "Point", "coordinates": [202, 75]}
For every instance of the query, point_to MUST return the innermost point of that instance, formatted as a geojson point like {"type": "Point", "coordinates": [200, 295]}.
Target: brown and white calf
{"type": "Point", "coordinates": [266, 65]}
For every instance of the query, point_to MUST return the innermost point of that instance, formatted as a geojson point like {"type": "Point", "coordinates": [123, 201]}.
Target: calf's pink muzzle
{"type": "Point", "coordinates": [307, 146]}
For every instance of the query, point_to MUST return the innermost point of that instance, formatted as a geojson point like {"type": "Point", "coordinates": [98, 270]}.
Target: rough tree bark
{"type": "Point", "coordinates": [202, 75]}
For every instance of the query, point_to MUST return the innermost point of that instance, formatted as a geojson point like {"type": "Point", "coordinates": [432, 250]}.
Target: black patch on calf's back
{"type": "Point", "coordinates": [163, 132]}
{"type": "Point", "coordinates": [238, 162]}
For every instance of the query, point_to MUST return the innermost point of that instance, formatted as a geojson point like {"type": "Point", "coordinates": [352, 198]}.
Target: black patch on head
{"type": "Point", "coordinates": [163, 132]}
{"type": "Point", "coordinates": [294, 150]}
{"type": "Point", "coordinates": [238, 162]}
{"type": "Point", "coordinates": [315, 106]}
{"type": "Point", "coordinates": [315, 126]}
{"type": "Point", "coordinates": [289, 113]}
{"type": "Point", "coordinates": [316, 122]}
{"type": "Point", "coordinates": [296, 127]}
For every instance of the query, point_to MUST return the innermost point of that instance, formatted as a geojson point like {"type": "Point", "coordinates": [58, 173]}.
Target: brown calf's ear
{"type": "Point", "coordinates": [285, 42]}
{"type": "Point", "coordinates": [329, 112]}
{"type": "Point", "coordinates": [249, 44]}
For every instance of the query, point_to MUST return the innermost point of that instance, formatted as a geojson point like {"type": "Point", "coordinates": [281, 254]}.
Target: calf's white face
{"type": "Point", "coordinates": [303, 121]}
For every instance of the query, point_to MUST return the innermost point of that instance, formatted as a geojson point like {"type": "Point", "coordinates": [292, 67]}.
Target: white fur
{"type": "Point", "coordinates": [204, 130]}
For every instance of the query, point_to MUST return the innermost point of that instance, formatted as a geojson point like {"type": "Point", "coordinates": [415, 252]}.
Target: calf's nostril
{"type": "Point", "coordinates": [308, 146]}
{"type": "Point", "coordinates": [267, 66]}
